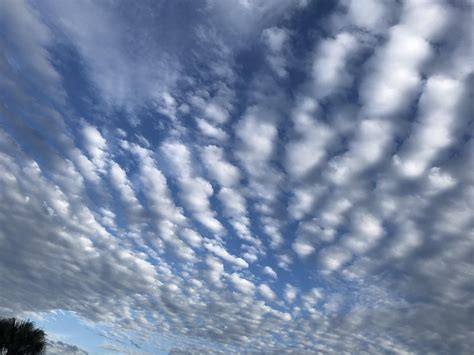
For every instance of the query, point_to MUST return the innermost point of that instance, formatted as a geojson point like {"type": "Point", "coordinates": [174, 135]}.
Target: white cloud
{"type": "Point", "coordinates": [303, 200]}
{"type": "Point", "coordinates": [216, 113]}
{"type": "Point", "coordinates": [241, 284]}
{"type": "Point", "coordinates": [216, 269]}
{"type": "Point", "coordinates": [427, 18]}
{"type": "Point", "coordinates": [220, 169]}
{"type": "Point", "coordinates": [122, 184]}
{"type": "Point", "coordinates": [308, 235]}
{"type": "Point", "coordinates": [369, 146]}
{"type": "Point", "coordinates": [309, 150]}
{"type": "Point", "coordinates": [439, 180]}
{"type": "Point", "coordinates": [195, 191]}
{"type": "Point", "coordinates": [333, 258]}
{"type": "Point", "coordinates": [290, 293]}
{"type": "Point", "coordinates": [228, 176]}
{"type": "Point", "coordinates": [224, 254]}
{"type": "Point", "coordinates": [329, 67]}
{"type": "Point", "coordinates": [395, 80]}
{"type": "Point", "coordinates": [192, 237]}
{"type": "Point", "coordinates": [270, 272]}
{"type": "Point", "coordinates": [210, 130]}
{"type": "Point", "coordinates": [95, 145]}
{"type": "Point", "coordinates": [85, 166]}
{"type": "Point", "coordinates": [433, 131]}
{"type": "Point", "coordinates": [372, 15]}
{"type": "Point", "coordinates": [302, 248]}
{"type": "Point", "coordinates": [277, 41]}
{"type": "Point", "coordinates": [257, 137]}
{"type": "Point", "coordinates": [266, 292]}
{"type": "Point", "coordinates": [366, 232]}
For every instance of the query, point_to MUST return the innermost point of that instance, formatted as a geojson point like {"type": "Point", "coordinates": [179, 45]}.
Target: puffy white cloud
{"type": "Point", "coordinates": [120, 181]}
{"type": "Point", "coordinates": [195, 191]}
{"type": "Point", "coordinates": [277, 41]}
{"type": "Point", "coordinates": [210, 130]}
{"type": "Point", "coordinates": [290, 293]}
{"type": "Point", "coordinates": [333, 258]}
{"type": "Point", "coordinates": [395, 79]}
{"type": "Point", "coordinates": [258, 138]}
{"type": "Point", "coordinates": [366, 232]}
{"type": "Point", "coordinates": [434, 128]}
{"type": "Point", "coordinates": [440, 180]}
{"type": "Point", "coordinates": [308, 150]}
{"type": "Point", "coordinates": [303, 248]}
{"type": "Point", "coordinates": [216, 112]}
{"type": "Point", "coordinates": [308, 235]}
{"type": "Point", "coordinates": [426, 18]}
{"type": "Point", "coordinates": [224, 254]}
{"type": "Point", "coordinates": [372, 15]}
{"type": "Point", "coordinates": [156, 187]}
{"type": "Point", "coordinates": [270, 272]}
{"type": "Point", "coordinates": [241, 284]}
{"type": "Point", "coordinates": [228, 177]}
{"type": "Point", "coordinates": [192, 237]}
{"type": "Point", "coordinates": [370, 143]}
{"type": "Point", "coordinates": [220, 169]}
{"type": "Point", "coordinates": [216, 269]}
{"type": "Point", "coordinates": [266, 292]}
{"type": "Point", "coordinates": [234, 203]}
{"type": "Point", "coordinates": [95, 145]}
{"type": "Point", "coordinates": [329, 67]}
{"type": "Point", "coordinates": [85, 166]}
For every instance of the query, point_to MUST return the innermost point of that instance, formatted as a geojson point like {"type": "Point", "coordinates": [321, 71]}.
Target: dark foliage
{"type": "Point", "coordinates": [21, 337]}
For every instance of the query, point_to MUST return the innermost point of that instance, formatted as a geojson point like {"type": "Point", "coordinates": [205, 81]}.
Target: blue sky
{"type": "Point", "coordinates": [239, 176]}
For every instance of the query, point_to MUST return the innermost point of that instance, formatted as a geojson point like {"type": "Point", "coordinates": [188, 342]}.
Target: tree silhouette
{"type": "Point", "coordinates": [21, 337]}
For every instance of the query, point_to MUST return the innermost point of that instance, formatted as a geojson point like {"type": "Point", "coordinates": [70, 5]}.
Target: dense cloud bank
{"type": "Point", "coordinates": [275, 177]}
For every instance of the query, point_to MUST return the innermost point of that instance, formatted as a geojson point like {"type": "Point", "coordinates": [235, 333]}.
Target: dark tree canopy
{"type": "Point", "coordinates": [21, 337]}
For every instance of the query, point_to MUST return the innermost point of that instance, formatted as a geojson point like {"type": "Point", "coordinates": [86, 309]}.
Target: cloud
{"type": "Point", "coordinates": [267, 292]}
{"type": "Point", "coordinates": [329, 67]}
{"type": "Point", "coordinates": [277, 41]}
{"type": "Point", "coordinates": [222, 171]}
{"type": "Point", "coordinates": [334, 258]}
{"type": "Point", "coordinates": [370, 14]}
{"type": "Point", "coordinates": [270, 272]}
{"type": "Point", "coordinates": [371, 141]}
{"type": "Point", "coordinates": [257, 138]}
{"type": "Point", "coordinates": [210, 130]}
{"type": "Point", "coordinates": [251, 182]}
{"type": "Point", "coordinates": [396, 79]}
{"type": "Point", "coordinates": [224, 254]}
{"type": "Point", "coordinates": [436, 124]}
{"type": "Point", "coordinates": [290, 293]}
{"type": "Point", "coordinates": [228, 177]}
{"type": "Point", "coordinates": [195, 191]}
{"type": "Point", "coordinates": [59, 347]}
{"type": "Point", "coordinates": [309, 150]}
{"type": "Point", "coordinates": [241, 284]}
{"type": "Point", "coordinates": [95, 145]}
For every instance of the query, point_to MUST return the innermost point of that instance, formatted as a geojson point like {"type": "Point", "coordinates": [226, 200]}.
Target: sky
{"type": "Point", "coordinates": [238, 176]}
